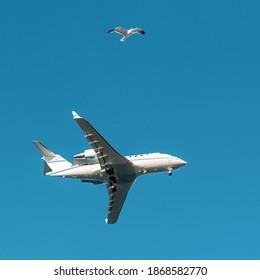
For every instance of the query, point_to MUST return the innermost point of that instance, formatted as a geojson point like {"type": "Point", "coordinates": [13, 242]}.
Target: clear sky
{"type": "Point", "coordinates": [188, 87]}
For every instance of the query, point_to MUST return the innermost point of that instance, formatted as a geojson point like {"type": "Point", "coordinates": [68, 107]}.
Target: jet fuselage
{"type": "Point", "coordinates": [143, 164]}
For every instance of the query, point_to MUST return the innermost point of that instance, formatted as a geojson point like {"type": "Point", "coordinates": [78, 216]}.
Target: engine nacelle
{"type": "Point", "coordinates": [88, 157]}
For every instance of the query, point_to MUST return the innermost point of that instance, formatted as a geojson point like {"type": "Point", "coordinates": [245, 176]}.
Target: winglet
{"type": "Point", "coordinates": [75, 115]}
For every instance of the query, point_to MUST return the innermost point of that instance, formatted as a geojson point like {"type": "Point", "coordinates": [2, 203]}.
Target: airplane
{"type": "Point", "coordinates": [103, 164]}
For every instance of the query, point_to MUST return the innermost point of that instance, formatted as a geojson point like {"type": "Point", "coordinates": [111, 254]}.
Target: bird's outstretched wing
{"type": "Point", "coordinates": [138, 30]}
{"type": "Point", "coordinates": [119, 30]}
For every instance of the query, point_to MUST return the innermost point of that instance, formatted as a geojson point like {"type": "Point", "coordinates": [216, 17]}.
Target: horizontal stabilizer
{"type": "Point", "coordinates": [43, 150]}
{"type": "Point", "coordinates": [52, 162]}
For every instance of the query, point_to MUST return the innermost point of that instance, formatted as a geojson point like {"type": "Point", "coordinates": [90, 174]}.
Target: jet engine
{"type": "Point", "coordinates": [88, 157]}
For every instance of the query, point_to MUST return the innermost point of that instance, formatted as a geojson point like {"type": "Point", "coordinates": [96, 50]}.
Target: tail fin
{"type": "Point", "coordinates": [52, 162]}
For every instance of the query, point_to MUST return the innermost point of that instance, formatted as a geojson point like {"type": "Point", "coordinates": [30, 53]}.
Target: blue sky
{"type": "Point", "coordinates": [189, 87]}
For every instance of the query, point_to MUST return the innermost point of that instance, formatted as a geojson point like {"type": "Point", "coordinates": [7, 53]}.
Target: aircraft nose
{"type": "Point", "coordinates": [182, 162]}
{"type": "Point", "coordinates": [179, 163]}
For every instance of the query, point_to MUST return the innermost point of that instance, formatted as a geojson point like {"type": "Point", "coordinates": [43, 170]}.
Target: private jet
{"type": "Point", "coordinates": [103, 164]}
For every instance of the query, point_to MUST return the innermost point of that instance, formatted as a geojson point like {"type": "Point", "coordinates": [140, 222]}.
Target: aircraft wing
{"type": "Point", "coordinates": [105, 153]}
{"type": "Point", "coordinates": [116, 200]}
{"type": "Point", "coordinates": [119, 171]}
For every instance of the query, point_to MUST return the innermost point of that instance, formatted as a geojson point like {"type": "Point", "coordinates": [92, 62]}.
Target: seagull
{"type": "Point", "coordinates": [126, 33]}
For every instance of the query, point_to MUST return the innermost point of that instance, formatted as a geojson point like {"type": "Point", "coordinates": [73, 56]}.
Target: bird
{"type": "Point", "coordinates": [126, 33]}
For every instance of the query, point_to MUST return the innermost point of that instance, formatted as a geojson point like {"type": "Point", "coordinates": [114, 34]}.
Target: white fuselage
{"type": "Point", "coordinates": [143, 164]}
